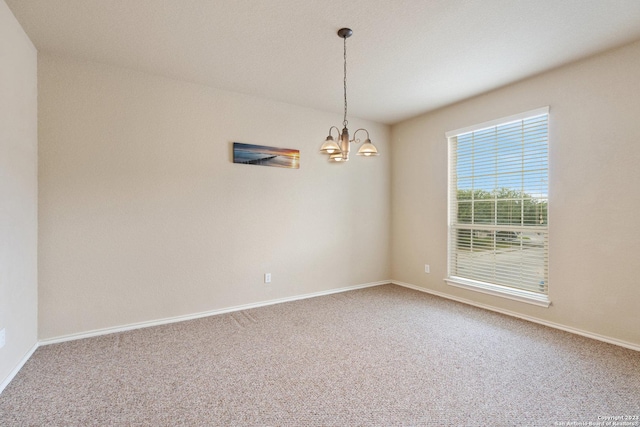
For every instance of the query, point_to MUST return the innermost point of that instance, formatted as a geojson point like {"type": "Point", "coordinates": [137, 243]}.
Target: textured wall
{"type": "Point", "coordinates": [18, 192]}
{"type": "Point", "coordinates": [594, 203]}
{"type": "Point", "coordinates": [144, 216]}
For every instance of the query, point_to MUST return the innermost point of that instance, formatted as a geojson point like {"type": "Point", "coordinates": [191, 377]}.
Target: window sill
{"type": "Point", "coordinates": [501, 291]}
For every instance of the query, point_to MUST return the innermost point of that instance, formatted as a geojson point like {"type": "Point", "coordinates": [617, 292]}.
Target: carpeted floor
{"type": "Point", "coordinates": [381, 356]}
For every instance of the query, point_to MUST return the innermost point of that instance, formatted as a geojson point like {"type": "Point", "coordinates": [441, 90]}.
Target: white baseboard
{"type": "Point", "coordinates": [158, 322]}
{"type": "Point", "coordinates": [570, 329]}
{"type": "Point", "coordinates": [19, 366]}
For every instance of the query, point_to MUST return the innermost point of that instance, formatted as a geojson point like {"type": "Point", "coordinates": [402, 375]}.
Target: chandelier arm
{"type": "Point", "coordinates": [336, 128]}
{"type": "Point", "coordinates": [357, 141]}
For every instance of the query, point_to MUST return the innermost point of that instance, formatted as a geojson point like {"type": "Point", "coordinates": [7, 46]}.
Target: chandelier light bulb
{"type": "Point", "coordinates": [329, 146]}
{"type": "Point", "coordinates": [336, 157]}
{"type": "Point", "coordinates": [368, 149]}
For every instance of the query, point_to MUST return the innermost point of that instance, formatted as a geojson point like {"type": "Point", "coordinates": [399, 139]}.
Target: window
{"type": "Point", "coordinates": [498, 204]}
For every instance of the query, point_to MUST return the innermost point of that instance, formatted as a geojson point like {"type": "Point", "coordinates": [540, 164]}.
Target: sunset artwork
{"type": "Point", "coordinates": [261, 155]}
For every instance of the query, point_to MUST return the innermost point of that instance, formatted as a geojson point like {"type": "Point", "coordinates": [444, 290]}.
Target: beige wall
{"type": "Point", "coordinates": [18, 192]}
{"type": "Point", "coordinates": [594, 198]}
{"type": "Point", "coordinates": [144, 216]}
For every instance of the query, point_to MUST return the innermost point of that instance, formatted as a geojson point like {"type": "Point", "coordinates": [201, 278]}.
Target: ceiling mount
{"type": "Point", "coordinates": [345, 32]}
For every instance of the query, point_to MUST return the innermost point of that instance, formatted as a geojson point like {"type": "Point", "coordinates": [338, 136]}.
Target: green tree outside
{"type": "Point", "coordinates": [503, 206]}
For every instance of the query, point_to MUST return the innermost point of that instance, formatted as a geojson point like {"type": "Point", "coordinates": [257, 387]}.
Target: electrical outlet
{"type": "Point", "coordinates": [427, 269]}
{"type": "Point", "coordinates": [1, 337]}
{"type": "Point", "coordinates": [267, 277]}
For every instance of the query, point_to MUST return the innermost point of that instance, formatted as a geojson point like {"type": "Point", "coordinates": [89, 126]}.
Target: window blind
{"type": "Point", "coordinates": [498, 203]}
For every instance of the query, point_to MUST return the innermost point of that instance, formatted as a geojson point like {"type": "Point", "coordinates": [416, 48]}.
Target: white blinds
{"type": "Point", "coordinates": [498, 201]}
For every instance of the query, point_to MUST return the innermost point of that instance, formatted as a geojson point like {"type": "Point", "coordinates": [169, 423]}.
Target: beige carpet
{"type": "Point", "coordinates": [382, 356]}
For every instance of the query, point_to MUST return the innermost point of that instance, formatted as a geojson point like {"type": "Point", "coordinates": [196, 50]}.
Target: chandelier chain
{"type": "Point", "coordinates": [345, 122]}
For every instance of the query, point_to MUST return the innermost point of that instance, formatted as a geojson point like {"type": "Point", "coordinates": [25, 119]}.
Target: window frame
{"type": "Point", "coordinates": [513, 293]}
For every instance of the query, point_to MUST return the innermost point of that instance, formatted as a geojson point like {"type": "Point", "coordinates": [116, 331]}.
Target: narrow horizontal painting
{"type": "Point", "coordinates": [250, 154]}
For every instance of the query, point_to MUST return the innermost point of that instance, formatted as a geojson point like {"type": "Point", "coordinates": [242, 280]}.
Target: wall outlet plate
{"type": "Point", "coordinates": [2, 338]}
{"type": "Point", "coordinates": [267, 277]}
{"type": "Point", "coordinates": [427, 269]}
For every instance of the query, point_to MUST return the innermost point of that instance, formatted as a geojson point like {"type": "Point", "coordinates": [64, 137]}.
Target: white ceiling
{"type": "Point", "coordinates": [405, 57]}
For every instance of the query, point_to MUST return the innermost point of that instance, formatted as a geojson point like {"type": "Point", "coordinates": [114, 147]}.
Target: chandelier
{"type": "Point", "coordinates": [339, 152]}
